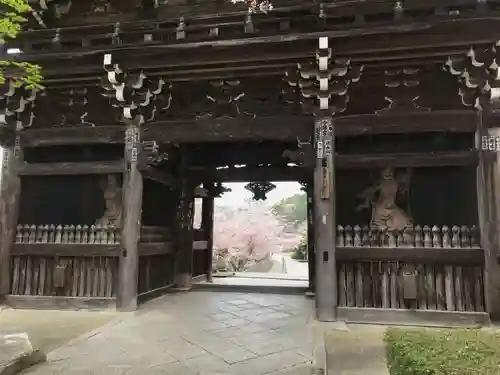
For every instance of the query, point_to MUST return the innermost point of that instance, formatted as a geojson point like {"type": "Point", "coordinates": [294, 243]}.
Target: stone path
{"type": "Point", "coordinates": [49, 329]}
{"type": "Point", "coordinates": [197, 333]}
{"type": "Point", "coordinates": [355, 349]}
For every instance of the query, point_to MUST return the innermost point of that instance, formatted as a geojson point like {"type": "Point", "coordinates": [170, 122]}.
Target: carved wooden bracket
{"type": "Point", "coordinates": [477, 73]}
{"type": "Point", "coordinates": [152, 153]}
{"type": "Point", "coordinates": [303, 155]}
{"type": "Point", "coordinates": [218, 190]}
{"type": "Point", "coordinates": [135, 94]}
{"type": "Point", "coordinates": [401, 87]}
{"type": "Point", "coordinates": [322, 85]}
{"type": "Point", "coordinates": [17, 106]}
{"type": "Point", "coordinates": [46, 10]}
{"type": "Point", "coordinates": [222, 99]}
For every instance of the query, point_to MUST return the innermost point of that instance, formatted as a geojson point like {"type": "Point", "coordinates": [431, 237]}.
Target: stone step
{"type": "Point", "coordinates": [17, 353]}
{"type": "Point", "coordinates": [271, 289]}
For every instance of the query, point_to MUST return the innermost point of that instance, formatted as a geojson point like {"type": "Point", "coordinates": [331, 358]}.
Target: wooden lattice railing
{"type": "Point", "coordinates": [421, 267]}
{"type": "Point", "coordinates": [67, 234]}
{"type": "Point", "coordinates": [413, 236]}
{"type": "Point", "coordinates": [83, 260]}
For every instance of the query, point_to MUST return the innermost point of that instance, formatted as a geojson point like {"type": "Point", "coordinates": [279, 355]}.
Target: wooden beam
{"type": "Point", "coordinates": [158, 175]}
{"type": "Point", "coordinates": [435, 32]}
{"type": "Point", "coordinates": [261, 128]}
{"type": "Point", "coordinates": [71, 168]}
{"type": "Point", "coordinates": [366, 161]}
{"type": "Point", "coordinates": [390, 28]}
{"type": "Point", "coordinates": [413, 317]}
{"type": "Point", "coordinates": [9, 209]}
{"type": "Point", "coordinates": [156, 248]}
{"type": "Point", "coordinates": [60, 303]}
{"type": "Point", "coordinates": [207, 224]}
{"type": "Point", "coordinates": [324, 220]}
{"type": "Point", "coordinates": [488, 202]}
{"type": "Point", "coordinates": [75, 135]}
{"type": "Point", "coordinates": [185, 235]}
{"type": "Point", "coordinates": [66, 250]}
{"type": "Point", "coordinates": [417, 159]}
{"type": "Point", "coordinates": [311, 254]}
{"type": "Point", "coordinates": [260, 174]}
{"type": "Point", "coordinates": [458, 256]}
{"type": "Point", "coordinates": [131, 225]}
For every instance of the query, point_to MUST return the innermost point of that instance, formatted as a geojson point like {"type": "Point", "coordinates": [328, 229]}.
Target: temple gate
{"type": "Point", "coordinates": [384, 111]}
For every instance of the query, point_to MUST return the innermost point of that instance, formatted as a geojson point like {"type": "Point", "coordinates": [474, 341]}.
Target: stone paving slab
{"type": "Point", "coordinates": [49, 329]}
{"type": "Point", "coordinates": [355, 350]}
{"type": "Point", "coordinates": [197, 333]}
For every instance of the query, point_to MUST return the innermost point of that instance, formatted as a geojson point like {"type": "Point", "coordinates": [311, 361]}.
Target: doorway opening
{"type": "Point", "coordinates": [260, 243]}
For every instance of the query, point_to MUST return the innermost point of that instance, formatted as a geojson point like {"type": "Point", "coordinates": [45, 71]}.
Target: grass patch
{"type": "Point", "coordinates": [443, 351]}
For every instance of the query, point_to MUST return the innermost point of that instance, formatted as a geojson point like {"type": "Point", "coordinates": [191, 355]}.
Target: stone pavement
{"type": "Point", "coordinates": [355, 349]}
{"type": "Point", "coordinates": [197, 333]}
{"type": "Point", "coordinates": [49, 329]}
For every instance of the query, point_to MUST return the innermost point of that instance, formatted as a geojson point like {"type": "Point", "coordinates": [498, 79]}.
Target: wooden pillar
{"type": "Point", "coordinates": [324, 221]}
{"type": "Point", "coordinates": [185, 209]}
{"type": "Point", "coordinates": [9, 209]}
{"type": "Point", "coordinates": [488, 195]}
{"type": "Point", "coordinates": [311, 255]}
{"type": "Point", "coordinates": [131, 223]}
{"type": "Point", "coordinates": [207, 225]}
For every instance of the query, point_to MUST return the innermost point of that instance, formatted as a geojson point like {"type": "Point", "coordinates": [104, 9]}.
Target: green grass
{"type": "Point", "coordinates": [443, 351]}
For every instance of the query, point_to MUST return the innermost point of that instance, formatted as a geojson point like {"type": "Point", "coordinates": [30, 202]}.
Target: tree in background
{"type": "Point", "coordinates": [291, 211]}
{"type": "Point", "coordinates": [11, 19]}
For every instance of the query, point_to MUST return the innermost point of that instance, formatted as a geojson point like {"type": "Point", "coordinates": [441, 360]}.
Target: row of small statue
{"type": "Point", "coordinates": [70, 234]}
{"type": "Point", "coordinates": [412, 236]}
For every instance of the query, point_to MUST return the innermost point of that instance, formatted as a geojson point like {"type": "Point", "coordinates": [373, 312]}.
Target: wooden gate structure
{"type": "Point", "coordinates": [382, 109]}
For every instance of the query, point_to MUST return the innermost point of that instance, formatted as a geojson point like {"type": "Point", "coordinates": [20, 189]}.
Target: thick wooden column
{"type": "Point", "coordinates": [324, 221]}
{"type": "Point", "coordinates": [131, 223]}
{"type": "Point", "coordinates": [185, 210]}
{"type": "Point", "coordinates": [207, 224]}
{"type": "Point", "coordinates": [9, 209]}
{"type": "Point", "coordinates": [488, 195]}
{"type": "Point", "coordinates": [311, 255]}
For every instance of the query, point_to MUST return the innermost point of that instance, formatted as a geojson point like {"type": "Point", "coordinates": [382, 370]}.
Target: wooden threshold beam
{"type": "Point", "coordinates": [427, 318]}
{"type": "Point", "coordinates": [71, 168]}
{"type": "Point", "coordinates": [284, 128]}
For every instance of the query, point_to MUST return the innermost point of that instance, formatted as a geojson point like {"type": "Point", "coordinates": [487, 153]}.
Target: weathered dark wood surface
{"type": "Point", "coordinates": [156, 272]}
{"type": "Point", "coordinates": [9, 210]}
{"type": "Point", "coordinates": [207, 225]}
{"type": "Point", "coordinates": [488, 220]}
{"type": "Point", "coordinates": [130, 235]}
{"type": "Point", "coordinates": [65, 276]}
{"type": "Point", "coordinates": [67, 250]}
{"type": "Point", "coordinates": [60, 303]}
{"type": "Point", "coordinates": [75, 168]}
{"type": "Point", "coordinates": [464, 256]}
{"type": "Point", "coordinates": [418, 286]}
{"type": "Point", "coordinates": [413, 317]}
{"type": "Point", "coordinates": [238, 130]}
{"type": "Point", "coordinates": [325, 223]}
{"type": "Point", "coordinates": [185, 211]}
